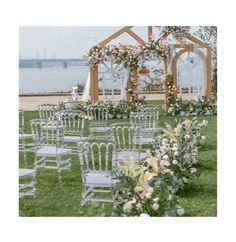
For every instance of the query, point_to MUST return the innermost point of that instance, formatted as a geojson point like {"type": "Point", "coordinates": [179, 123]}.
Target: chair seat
{"type": "Point", "coordinates": [26, 173]}
{"type": "Point", "coordinates": [25, 136]}
{"type": "Point", "coordinates": [126, 154]}
{"type": "Point", "coordinates": [52, 151]}
{"type": "Point", "coordinates": [146, 140]}
{"type": "Point", "coordinates": [73, 138]}
{"type": "Point", "coordinates": [98, 179]}
{"type": "Point", "coordinates": [100, 129]}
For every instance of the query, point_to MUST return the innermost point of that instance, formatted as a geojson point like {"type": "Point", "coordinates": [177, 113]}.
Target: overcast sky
{"type": "Point", "coordinates": [69, 41]}
{"type": "Point", "coordinates": [66, 42]}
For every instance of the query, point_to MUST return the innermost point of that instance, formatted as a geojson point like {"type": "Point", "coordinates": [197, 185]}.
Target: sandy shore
{"type": "Point", "coordinates": [31, 103]}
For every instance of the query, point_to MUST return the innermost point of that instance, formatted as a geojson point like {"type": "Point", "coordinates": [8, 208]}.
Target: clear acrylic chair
{"type": "Point", "coordinates": [148, 125]}
{"type": "Point", "coordinates": [149, 109]}
{"type": "Point", "coordinates": [47, 111]}
{"type": "Point", "coordinates": [48, 136]}
{"type": "Point", "coordinates": [128, 142]}
{"type": "Point", "coordinates": [73, 105]}
{"type": "Point", "coordinates": [98, 116]}
{"type": "Point", "coordinates": [73, 123]}
{"type": "Point", "coordinates": [24, 139]}
{"type": "Point", "coordinates": [27, 182]}
{"type": "Point", "coordinates": [97, 158]}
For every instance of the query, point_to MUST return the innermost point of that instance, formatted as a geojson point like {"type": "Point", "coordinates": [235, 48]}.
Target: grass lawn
{"type": "Point", "coordinates": [199, 198]}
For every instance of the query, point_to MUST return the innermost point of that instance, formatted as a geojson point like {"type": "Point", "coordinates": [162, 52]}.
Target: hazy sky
{"type": "Point", "coordinates": [66, 42]}
{"type": "Point", "coordinates": [70, 41]}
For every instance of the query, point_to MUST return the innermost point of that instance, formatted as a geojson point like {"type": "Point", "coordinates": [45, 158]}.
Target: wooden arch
{"type": "Point", "coordinates": [174, 68]}
{"type": "Point", "coordinates": [94, 97]}
{"type": "Point", "coordinates": [185, 48]}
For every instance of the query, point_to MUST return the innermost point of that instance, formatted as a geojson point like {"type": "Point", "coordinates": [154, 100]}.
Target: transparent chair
{"type": "Point", "coordinates": [24, 139]}
{"type": "Point", "coordinates": [128, 142]}
{"type": "Point", "coordinates": [148, 125]}
{"type": "Point", "coordinates": [48, 136]}
{"type": "Point", "coordinates": [73, 123]}
{"type": "Point", "coordinates": [97, 158]}
{"type": "Point", "coordinates": [47, 111]}
{"type": "Point", "coordinates": [149, 109]}
{"type": "Point", "coordinates": [27, 182]}
{"type": "Point", "coordinates": [71, 105]}
{"type": "Point", "coordinates": [98, 116]}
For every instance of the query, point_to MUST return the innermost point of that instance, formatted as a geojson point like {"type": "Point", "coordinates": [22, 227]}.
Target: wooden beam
{"type": "Point", "coordinates": [149, 33]}
{"type": "Point", "coordinates": [197, 41]}
{"type": "Point", "coordinates": [208, 63]}
{"type": "Point", "coordinates": [94, 84]}
{"type": "Point", "coordinates": [135, 36]}
{"type": "Point", "coordinates": [115, 35]}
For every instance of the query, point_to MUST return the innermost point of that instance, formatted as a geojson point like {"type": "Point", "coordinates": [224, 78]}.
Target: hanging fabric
{"type": "Point", "coordinates": [85, 95]}
{"type": "Point", "coordinates": [124, 85]}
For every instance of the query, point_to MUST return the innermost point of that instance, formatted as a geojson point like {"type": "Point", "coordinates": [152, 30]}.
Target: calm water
{"type": "Point", "coordinates": [33, 80]}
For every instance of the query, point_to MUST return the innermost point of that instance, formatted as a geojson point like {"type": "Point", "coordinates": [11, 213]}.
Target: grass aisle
{"type": "Point", "coordinates": [199, 198]}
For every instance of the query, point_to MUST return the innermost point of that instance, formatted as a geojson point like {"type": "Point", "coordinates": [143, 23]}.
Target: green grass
{"type": "Point", "coordinates": [199, 198]}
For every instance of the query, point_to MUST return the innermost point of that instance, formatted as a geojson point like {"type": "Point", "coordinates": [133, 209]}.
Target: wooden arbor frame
{"type": "Point", "coordinates": [183, 48]}
{"type": "Point", "coordinates": [134, 72]}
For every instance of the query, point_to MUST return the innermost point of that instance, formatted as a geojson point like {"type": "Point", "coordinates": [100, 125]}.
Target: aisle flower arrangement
{"type": "Point", "coordinates": [201, 106]}
{"type": "Point", "coordinates": [150, 188]}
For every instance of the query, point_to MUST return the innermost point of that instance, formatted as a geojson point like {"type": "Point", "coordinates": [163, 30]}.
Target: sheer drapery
{"type": "Point", "coordinates": [124, 85]}
{"type": "Point", "coordinates": [85, 95]}
{"type": "Point", "coordinates": [191, 71]}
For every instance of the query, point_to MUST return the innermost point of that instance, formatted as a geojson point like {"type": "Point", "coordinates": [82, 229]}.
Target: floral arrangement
{"type": "Point", "coordinates": [150, 188]}
{"type": "Point", "coordinates": [184, 108]}
{"type": "Point", "coordinates": [122, 109]}
{"type": "Point", "coordinates": [178, 32]}
{"type": "Point", "coordinates": [145, 189]}
{"type": "Point", "coordinates": [179, 146]}
{"type": "Point", "coordinates": [130, 56]}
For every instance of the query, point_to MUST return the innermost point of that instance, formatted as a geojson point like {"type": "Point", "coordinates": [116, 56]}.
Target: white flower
{"type": "Point", "coordinates": [138, 189]}
{"type": "Point", "coordinates": [165, 157]}
{"type": "Point", "coordinates": [185, 180]}
{"type": "Point", "coordinates": [175, 148]}
{"type": "Point", "coordinates": [155, 206]}
{"type": "Point", "coordinates": [187, 137]}
{"type": "Point", "coordinates": [180, 211]}
{"type": "Point", "coordinates": [193, 170]}
{"type": "Point", "coordinates": [150, 190]}
{"type": "Point", "coordinates": [203, 138]}
{"type": "Point", "coordinates": [176, 153]}
{"type": "Point", "coordinates": [175, 162]}
{"type": "Point", "coordinates": [148, 195]}
{"type": "Point", "coordinates": [144, 215]}
{"type": "Point", "coordinates": [155, 199]}
{"type": "Point", "coordinates": [164, 163]}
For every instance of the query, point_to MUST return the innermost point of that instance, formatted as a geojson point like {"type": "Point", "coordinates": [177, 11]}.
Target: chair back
{"type": "Point", "coordinates": [96, 155]}
{"type": "Point", "coordinates": [143, 119]}
{"type": "Point", "coordinates": [97, 113]}
{"type": "Point", "coordinates": [47, 111]}
{"type": "Point", "coordinates": [126, 136]}
{"type": "Point", "coordinates": [73, 123]}
{"type": "Point", "coordinates": [47, 133]}
{"type": "Point", "coordinates": [149, 109]}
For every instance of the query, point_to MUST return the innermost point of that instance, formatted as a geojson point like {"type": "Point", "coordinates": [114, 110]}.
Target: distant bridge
{"type": "Point", "coordinates": [40, 63]}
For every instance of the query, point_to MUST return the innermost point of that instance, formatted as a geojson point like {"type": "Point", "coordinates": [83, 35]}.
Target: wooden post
{"type": "Point", "coordinates": [94, 84]}
{"type": "Point", "coordinates": [132, 76]}
{"type": "Point", "coordinates": [208, 63]}
{"type": "Point", "coordinates": [149, 33]}
{"type": "Point", "coordinates": [166, 77]}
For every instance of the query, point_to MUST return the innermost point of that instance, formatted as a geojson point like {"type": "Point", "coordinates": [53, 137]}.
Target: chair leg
{"type": "Point", "coordinates": [24, 151]}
